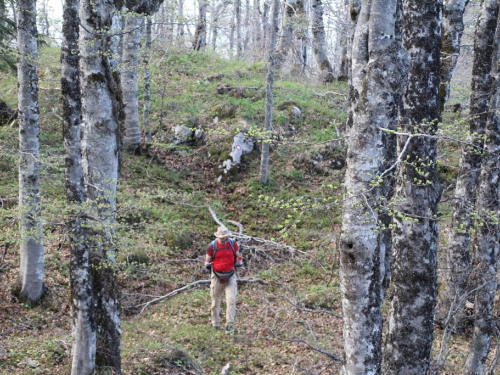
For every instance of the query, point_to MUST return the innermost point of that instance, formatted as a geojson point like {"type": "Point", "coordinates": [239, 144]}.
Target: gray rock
{"type": "Point", "coordinates": [182, 134]}
{"type": "Point", "coordinates": [295, 112]}
{"type": "Point", "coordinates": [242, 145]}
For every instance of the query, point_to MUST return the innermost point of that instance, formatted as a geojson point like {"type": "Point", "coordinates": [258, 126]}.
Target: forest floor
{"type": "Point", "coordinates": [289, 311]}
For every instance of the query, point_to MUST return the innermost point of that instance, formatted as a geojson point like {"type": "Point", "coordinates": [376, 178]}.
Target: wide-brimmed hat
{"type": "Point", "coordinates": [222, 232]}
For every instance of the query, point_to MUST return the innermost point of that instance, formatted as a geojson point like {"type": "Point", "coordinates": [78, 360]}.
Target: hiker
{"type": "Point", "coordinates": [222, 258]}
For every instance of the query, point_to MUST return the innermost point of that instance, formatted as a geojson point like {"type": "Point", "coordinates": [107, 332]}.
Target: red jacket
{"type": "Point", "coordinates": [224, 258]}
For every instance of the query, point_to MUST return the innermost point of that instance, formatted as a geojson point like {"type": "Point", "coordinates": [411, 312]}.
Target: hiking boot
{"type": "Point", "coordinates": [230, 329]}
{"type": "Point", "coordinates": [216, 328]}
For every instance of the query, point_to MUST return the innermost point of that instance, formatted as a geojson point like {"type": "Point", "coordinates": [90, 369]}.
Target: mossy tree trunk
{"type": "Point", "coordinates": [100, 150]}
{"type": "Point", "coordinates": [410, 329]}
{"type": "Point", "coordinates": [29, 286]}
{"type": "Point", "coordinates": [376, 53]}
{"type": "Point", "coordinates": [454, 295]}
{"type": "Point", "coordinates": [84, 347]}
{"type": "Point", "coordinates": [487, 246]}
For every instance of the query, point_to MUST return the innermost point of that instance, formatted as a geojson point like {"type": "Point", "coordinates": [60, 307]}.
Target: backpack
{"type": "Point", "coordinates": [223, 276]}
{"type": "Point", "coordinates": [214, 246]}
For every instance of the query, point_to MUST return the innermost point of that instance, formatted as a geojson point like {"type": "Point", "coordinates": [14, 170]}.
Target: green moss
{"type": "Point", "coordinates": [135, 256]}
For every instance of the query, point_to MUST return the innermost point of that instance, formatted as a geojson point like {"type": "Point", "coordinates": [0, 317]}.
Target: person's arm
{"type": "Point", "coordinates": [208, 258]}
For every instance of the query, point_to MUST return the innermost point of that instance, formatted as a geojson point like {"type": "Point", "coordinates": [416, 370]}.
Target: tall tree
{"type": "Point", "coordinates": [379, 68]}
{"type": "Point", "coordinates": [268, 121]}
{"type": "Point", "coordinates": [487, 247]}
{"type": "Point", "coordinates": [454, 295]}
{"type": "Point", "coordinates": [100, 150]}
{"type": "Point", "coordinates": [147, 79]}
{"type": "Point", "coordinates": [452, 30]}
{"type": "Point", "coordinates": [415, 237]}
{"type": "Point", "coordinates": [29, 286]}
{"type": "Point", "coordinates": [319, 42]}
{"type": "Point", "coordinates": [84, 347]}
{"type": "Point", "coordinates": [129, 80]}
{"type": "Point", "coordinates": [237, 15]}
{"type": "Point", "coordinates": [7, 33]}
{"type": "Point", "coordinates": [200, 35]}
{"type": "Point", "coordinates": [351, 11]}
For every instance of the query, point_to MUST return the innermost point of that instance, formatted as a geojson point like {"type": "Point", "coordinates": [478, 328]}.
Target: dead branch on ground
{"type": "Point", "coordinates": [189, 286]}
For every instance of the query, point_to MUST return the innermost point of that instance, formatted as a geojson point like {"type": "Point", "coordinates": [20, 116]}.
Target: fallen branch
{"type": "Point", "coordinates": [245, 239]}
{"type": "Point", "coordinates": [330, 93]}
{"type": "Point", "coordinates": [302, 341]}
{"type": "Point", "coordinates": [188, 286]}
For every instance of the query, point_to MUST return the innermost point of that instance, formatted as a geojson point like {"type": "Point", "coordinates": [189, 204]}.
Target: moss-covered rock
{"type": "Point", "coordinates": [286, 104]}
{"type": "Point", "coordinates": [223, 111]}
{"type": "Point", "coordinates": [135, 256]}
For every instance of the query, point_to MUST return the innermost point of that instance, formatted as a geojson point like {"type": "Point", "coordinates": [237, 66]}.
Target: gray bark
{"type": "Point", "coordinates": [239, 44]}
{"type": "Point", "coordinates": [200, 35]}
{"type": "Point", "coordinates": [454, 294]}
{"type": "Point", "coordinates": [268, 121]}
{"type": "Point", "coordinates": [319, 42]}
{"type": "Point", "coordinates": [84, 331]}
{"type": "Point", "coordinates": [379, 69]}
{"type": "Point", "coordinates": [216, 13]}
{"type": "Point", "coordinates": [100, 150]}
{"type": "Point", "coordinates": [129, 79]}
{"type": "Point", "coordinates": [116, 45]}
{"type": "Point", "coordinates": [147, 79]}
{"type": "Point", "coordinates": [352, 9]}
{"type": "Point", "coordinates": [180, 26]}
{"type": "Point", "coordinates": [246, 41]}
{"type": "Point", "coordinates": [29, 286]}
{"type": "Point", "coordinates": [452, 30]}
{"type": "Point", "coordinates": [415, 237]}
{"type": "Point", "coordinates": [265, 23]}
{"type": "Point", "coordinates": [487, 243]}
{"type": "Point", "coordinates": [285, 44]}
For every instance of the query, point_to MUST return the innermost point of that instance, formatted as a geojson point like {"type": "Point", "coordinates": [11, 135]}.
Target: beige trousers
{"type": "Point", "coordinates": [216, 289]}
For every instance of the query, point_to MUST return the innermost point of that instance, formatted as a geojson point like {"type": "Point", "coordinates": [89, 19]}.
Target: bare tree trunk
{"type": "Point", "coordinates": [100, 150]}
{"type": "Point", "coordinates": [247, 27]}
{"type": "Point", "coordinates": [373, 109]}
{"type": "Point", "coordinates": [84, 331]}
{"type": "Point", "coordinates": [200, 35]}
{"type": "Point", "coordinates": [180, 26]}
{"type": "Point", "coordinates": [454, 295]}
{"type": "Point", "coordinates": [116, 46]}
{"type": "Point", "coordinates": [29, 286]}
{"type": "Point", "coordinates": [452, 30]}
{"type": "Point", "coordinates": [216, 13]}
{"type": "Point", "coordinates": [44, 18]}
{"type": "Point", "coordinates": [285, 43]}
{"type": "Point", "coordinates": [265, 24]}
{"type": "Point", "coordinates": [232, 31]}
{"type": "Point", "coordinates": [147, 79]}
{"type": "Point", "coordinates": [352, 9]}
{"type": "Point", "coordinates": [390, 142]}
{"type": "Point", "coordinates": [319, 42]}
{"type": "Point", "coordinates": [130, 77]}
{"type": "Point", "coordinates": [410, 328]}
{"type": "Point", "coordinates": [487, 242]}
{"type": "Point", "coordinates": [268, 121]}
{"type": "Point", "coordinates": [239, 45]}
